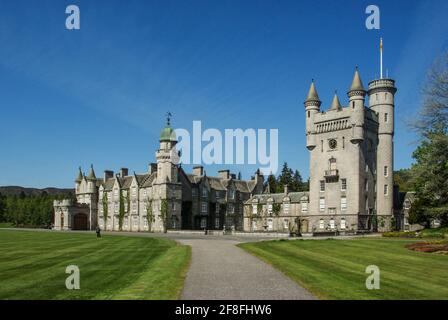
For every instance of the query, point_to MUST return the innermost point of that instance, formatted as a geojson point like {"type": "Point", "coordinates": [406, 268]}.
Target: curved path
{"type": "Point", "coordinates": [220, 270]}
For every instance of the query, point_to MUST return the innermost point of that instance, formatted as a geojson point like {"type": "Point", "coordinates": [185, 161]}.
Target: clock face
{"type": "Point", "coordinates": [332, 143]}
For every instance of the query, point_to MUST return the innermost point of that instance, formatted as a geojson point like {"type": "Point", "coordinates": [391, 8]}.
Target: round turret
{"type": "Point", "coordinates": [312, 106]}
{"type": "Point", "coordinates": [356, 96]}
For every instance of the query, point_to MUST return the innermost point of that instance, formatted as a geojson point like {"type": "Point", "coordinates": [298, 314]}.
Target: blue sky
{"type": "Point", "coordinates": [99, 94]}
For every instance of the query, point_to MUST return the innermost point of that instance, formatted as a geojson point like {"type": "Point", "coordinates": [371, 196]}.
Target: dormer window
{"type": "Point", "coordinates": [204, 192]}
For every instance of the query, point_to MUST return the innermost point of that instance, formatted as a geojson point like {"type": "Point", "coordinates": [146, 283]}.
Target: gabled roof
{"type": "Point", "coordinates": [125, 182]}
{"type": "Point", "coordinates": [295, 197]}
{"type": "Point", "coordinates": [109, 184]}
{"type": "Point", "coordinates": [216, 183]}
{"type": "Point", "coordinates": [148, 179]}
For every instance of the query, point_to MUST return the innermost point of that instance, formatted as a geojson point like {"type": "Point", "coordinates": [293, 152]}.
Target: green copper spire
{"type": "Point", "coordinates": [91, 175]}
{"type": "Point", "coordinates": [168, 133]}
{"type": "Point", "coordinates": [80, 176]}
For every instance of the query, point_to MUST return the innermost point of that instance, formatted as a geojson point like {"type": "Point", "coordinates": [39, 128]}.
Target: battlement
{"type": "Point", "coordinates": [382, 84]}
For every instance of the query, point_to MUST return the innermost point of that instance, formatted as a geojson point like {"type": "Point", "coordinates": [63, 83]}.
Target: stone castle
{"type": "Point", "coordinates": [351, 182]}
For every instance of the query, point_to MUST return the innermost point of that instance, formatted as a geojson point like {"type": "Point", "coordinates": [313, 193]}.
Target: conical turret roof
{"type": "Point", "coordinates": [335, 104]}
{"type": "Point", "coordinates": [91, 175]}
{"type": "Point", "coordinates": [356, 83]}
{"type": "Point", "coordinates": [312, 93]}
{"type": "Point", "coordinates": [80, 176]}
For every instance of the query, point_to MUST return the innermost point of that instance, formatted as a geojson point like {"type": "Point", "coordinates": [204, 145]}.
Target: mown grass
{"type": "Point", "coordinates": [33, 264]}
{"type": "Point", "coordinates": [335, 269]}
{"type": "Point", "coordinates": [6, 225]}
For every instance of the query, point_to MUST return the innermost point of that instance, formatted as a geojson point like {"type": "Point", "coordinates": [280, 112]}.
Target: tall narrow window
{"type": "Point", "coordinates": [321, 145]}
{"type": "Point", "coordinates": [343, 203]}
{"type": "Point", "coordinates": [321, 224]}
{"type": "Point", "coordinates": [386, 171]}
{"type": "Point", "coordinates": [343, 142]}
{"type": "Point", "coordinates": [322, 185]}
{"type": "Point", "coordinates": [343, 184]}
{"type": "Point", "coordinates": [322, 204]}
{"type": "Point", "coordinates": [386, 117]}
{"type": "Point", "coordinates": [366, 183]}
{"type": "Point", "coordinates": [343, 223]}
{"type": "Point", "coordinates": [309, 114]}
{"type": "Point", "coordinates": [386, 191]}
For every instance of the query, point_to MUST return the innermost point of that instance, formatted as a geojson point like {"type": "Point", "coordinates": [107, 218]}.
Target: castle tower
{"type": "Point", "coordinates": [78, 181]}
{"type": "Point", "coordinates": [91, 198]}
{"type": "Point", "coordinates": [356, 96]}
{"type": "Point", "coordinates": [312, 106]}
{"type": "Point", "coordinates": [91, 180]}
{"type": "Point", "coordinates": [167, 184]}
{"type": "Point", "coordinates": [167, 157]}
{"type": "Point", "coordinates": [381, 100]}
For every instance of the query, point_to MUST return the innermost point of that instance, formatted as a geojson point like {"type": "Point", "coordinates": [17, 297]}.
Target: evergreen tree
{"type": "Point", "coordinates": [431, 168]}
{"type": "Point", "coordinates": [271, 182]}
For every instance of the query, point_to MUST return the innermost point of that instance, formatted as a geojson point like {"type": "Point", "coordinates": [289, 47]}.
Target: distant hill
{"type": "Point", "coordinates": [16, 190]}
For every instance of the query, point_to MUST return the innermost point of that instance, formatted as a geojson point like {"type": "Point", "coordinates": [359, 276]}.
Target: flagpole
{"type": "Point", "coordinates": [381, 58]}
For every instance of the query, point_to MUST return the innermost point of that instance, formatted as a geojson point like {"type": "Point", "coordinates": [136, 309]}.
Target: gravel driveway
{"type": "Point", "coordinates": [220, 270]}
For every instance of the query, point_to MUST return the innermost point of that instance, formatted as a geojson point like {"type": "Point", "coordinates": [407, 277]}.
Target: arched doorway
{"type": "Point", "coordinates": [80, 222]}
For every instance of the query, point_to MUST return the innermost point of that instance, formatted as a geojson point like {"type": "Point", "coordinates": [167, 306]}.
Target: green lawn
{"type": "Point", "coordinates": [335, 269]}
{"type": "Point", "coordinates": [6, 225]}
{"type": "Point", "coordinates": [32, 266]}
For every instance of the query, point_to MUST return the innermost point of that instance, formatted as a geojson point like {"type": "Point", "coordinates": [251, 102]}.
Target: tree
{"type": "Point", "coordinates": [431, 167]}
{"type": "Point", "coordinates": [121, 211]}
{"type": "Point", "coordinates": [285, 178]}
{"type": "Point", "coordinates": [271, 183]}
{"type": "Point", "coordinates": [105, 209]}
{"type": "Point", "coordinates": [431, 178]}
{"type": "Point", "coordinates": [433, 114]}
{"type": "Point", "coordinates": [403, 178]}
{"type": "Point", "coordinates": [164, 214]}
{"type": "Point", "coordinates": [297, 183]}
{"type": "Point", "coordinates": [149, 214]}
{"type": "Point", "coordinates": [2, 208]}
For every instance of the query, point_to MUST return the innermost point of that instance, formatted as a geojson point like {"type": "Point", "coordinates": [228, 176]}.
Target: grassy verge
{"type": "Point", "coordinates": [335, 269]}
{"type": "Point", "coordinates": [435, 233]}
{"type": "Point", "coordinates": [112, 267]}
{"type": "Point", "coordinates": [6, 225]}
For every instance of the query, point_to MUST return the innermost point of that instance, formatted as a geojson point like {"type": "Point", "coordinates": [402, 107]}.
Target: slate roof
{"type": "Point", "coordinates": [109, 184]}
{"type": "Point", "coordinates": [278, 197]}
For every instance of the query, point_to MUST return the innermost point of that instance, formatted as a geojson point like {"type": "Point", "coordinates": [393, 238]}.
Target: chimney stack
{"type": "Point", "coordinates": [224, 174]}
{"type": "Point", "coordinates": [198, 171]}
{"type": "Point", "coordinates": [123, 172]}
{"type": "Point", "coordinates": [108, 174]}
{"type": "Point", "coordinates": [152, 167]}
